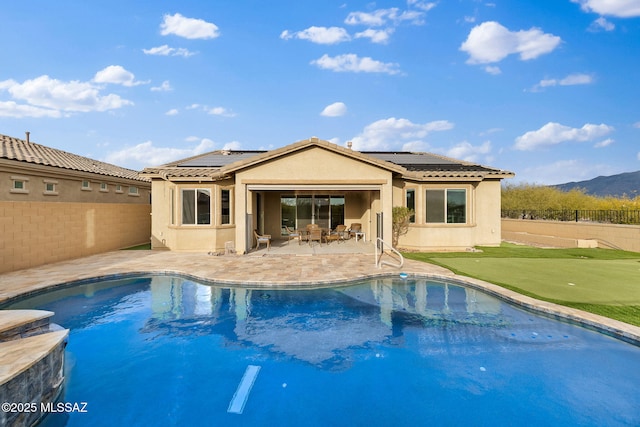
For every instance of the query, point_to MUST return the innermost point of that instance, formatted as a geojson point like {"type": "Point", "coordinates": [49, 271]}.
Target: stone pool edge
{"type": "Point", "coordinates": [360, 268]}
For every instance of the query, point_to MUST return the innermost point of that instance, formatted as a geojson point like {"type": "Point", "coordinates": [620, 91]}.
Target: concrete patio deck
{"type": "Point", "coordinates": [264, 268]}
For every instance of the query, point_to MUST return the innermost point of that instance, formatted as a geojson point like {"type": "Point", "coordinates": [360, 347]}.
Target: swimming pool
{"type": "Point", "coordinates": [161, 350]}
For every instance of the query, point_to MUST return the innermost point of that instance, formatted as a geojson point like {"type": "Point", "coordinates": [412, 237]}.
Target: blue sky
{"type": "Point", "coordinates": [549, 89]}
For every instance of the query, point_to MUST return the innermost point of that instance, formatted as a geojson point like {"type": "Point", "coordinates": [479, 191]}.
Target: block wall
{"type": "Point", "coordinates": [37, 233]}
{"type": "Point", "coordinates": [566, 234]}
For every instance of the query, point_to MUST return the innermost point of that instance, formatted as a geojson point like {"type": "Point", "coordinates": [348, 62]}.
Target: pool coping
{"type": "Point", "coordinates": [283, 271]}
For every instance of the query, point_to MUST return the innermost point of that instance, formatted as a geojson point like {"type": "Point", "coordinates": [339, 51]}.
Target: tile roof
{"type": "Point", "coordinates": [30, 152]}
{"type": "Point", "coordinates": [223, 163]}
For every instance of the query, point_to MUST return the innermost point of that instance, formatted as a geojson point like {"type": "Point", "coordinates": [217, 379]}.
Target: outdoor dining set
{"type": "Point", "coordinates": [314, 233]}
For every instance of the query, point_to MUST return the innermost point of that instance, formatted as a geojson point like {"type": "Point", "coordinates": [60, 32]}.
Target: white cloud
{"type": "Point", "coordinates": [423, 5]}
{"type": "Point", "coordinates": [14, 110]}
{"type": "Point", "coordinates": [319, 35]}
{"type": "Point", "coordinates": [563, 171]}
{"type": "Point", "coordinates": [146, 154]}
{"type": "Point", "coordinates": [604, 143]}
{"type": "Point", "coordinates": [353, 63]}
{"type": "Point", "coordinates": [376, 36]}
{"type": "Point", "coordinates": [491, 42]}
{"type": "Point", "coordinates": [601, 24]}
{"type": "Point", "coordinates": [618, 8]}
{"type": "Point", "coordinates": [570, 80]}
{"type": "Point", "coordinates": [392, 133]}
{"type": "Point", "coordinates": [382, 17]}
{"type": "Point", "coordinates": [172, 112]}
{"type": "Point", "coordinates": [44, 93]}
{"type": "Point", "coordinates": [165, 50]}
{"type": "Point", "coordinates": [492, 69]}
{"type": "Point", "coordinates": [336, 109]}
{"type": "Point", "coordinates": [415, 146]}
{"type": "Point", "coordinates": [116, 74]}
{"type": "Point", "coordinates": [164, 87]}
{"type": "Point", "coordinates": [470, 153]}
{"type": "Point", "coordinates": [555, 133]}
{"type": "Point", "coordinates": [219, 111]}
{"type": "Point", "coordinates": [189, 28]}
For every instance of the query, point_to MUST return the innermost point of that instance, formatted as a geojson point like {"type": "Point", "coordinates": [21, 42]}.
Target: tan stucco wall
{"type": "Point", "coordinates": [483, 219]}
{"type": "Point", "coordinates": [168, 233]}
{"type": "Point", "coordinates": [305, 171]}
{"type": "Point", "coordinates": [567, 234]}
{"type": "Point", "coordinates": [68, 185]}
{"type": "Point", "coordinates": [37, 233]}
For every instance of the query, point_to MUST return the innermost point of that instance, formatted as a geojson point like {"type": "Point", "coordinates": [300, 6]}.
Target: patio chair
{"type": "Point", "coordinates": [315, 233]}
{"type": "Point", "coordinates": [356, 227]}
{"type": "Point", "coordinates": [335, 235]}
{"type": "Point", "coordinates": [262, 238]}
{"type": "Point", "coordinates": [293, 234]}
{"type": "Point", "coordinates": [341, 231]}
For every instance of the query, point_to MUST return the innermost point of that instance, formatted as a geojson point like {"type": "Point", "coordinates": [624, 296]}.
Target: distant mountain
{"type": "Point", "coordinates": [623, 184]}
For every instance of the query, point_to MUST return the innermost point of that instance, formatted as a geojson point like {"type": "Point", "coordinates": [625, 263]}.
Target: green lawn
{"type": "Point", "coordinates": [601, 281]}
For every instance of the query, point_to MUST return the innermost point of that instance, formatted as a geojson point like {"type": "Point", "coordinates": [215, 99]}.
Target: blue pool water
{"type": "Point", "coordinates": [165, 351]}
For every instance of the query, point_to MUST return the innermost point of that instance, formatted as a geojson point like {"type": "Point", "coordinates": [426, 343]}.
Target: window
{"type": "Point", "coordinates": [173, 207]}
{"type": "Point", "coordinates": [447, 206]}
{"type": "Point", "coordinates": [299, 211]}
{"type": "Point", "coordinates": [411, 204]}
{"type": "Point", "coordinates": [86, 185]}
{"type": "Point", "coordinates": [50, 187]}
{"type": "Point", "coordinates": [19, 185]}
{"type": "Point", "coordinates": [225, 207]}
{"type": "Point", "coordinates": [119, 188]}
{"type": "Point", "coordinates": [196, 207]}
{"type": "Point", "coordinates": [104, 187]}
{"type": "Point", "coordinates": [133, 191]}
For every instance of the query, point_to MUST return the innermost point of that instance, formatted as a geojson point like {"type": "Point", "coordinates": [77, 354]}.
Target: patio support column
{"type": "Point", "coordinates": [386, 203]}
{"type": "Point", "coordinates": [240, 212]}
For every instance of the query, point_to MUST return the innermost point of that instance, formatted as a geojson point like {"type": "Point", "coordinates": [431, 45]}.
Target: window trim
{"type": "Point", "coordinates": [412, 219]}
{"type": "Point", "coordinates": [446, 207]}
{"type": "Point", "coordinates": [230, 207]}
{"type": "Point", "coordinates": [195, 212]}
{"type": "Point", "coordinates": [86, 187]}
{"type": "Point", "coordinates": [54, 189]}
{"type": "Point", "coordinates": [135, 192]}
{"type": "Point", "coordinates": [19, 179]}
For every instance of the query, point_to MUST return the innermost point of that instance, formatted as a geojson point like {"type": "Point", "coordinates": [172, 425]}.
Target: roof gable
{"type": "Point", "coordinates": [224, 163]}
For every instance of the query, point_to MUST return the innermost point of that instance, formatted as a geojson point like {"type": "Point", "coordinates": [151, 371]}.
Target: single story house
{"type": "Point", "coordinates": [205, 201]}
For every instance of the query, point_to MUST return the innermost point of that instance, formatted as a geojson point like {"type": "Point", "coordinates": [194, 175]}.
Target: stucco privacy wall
{"type": "Point", "coordinates": [566, 234]}
{"type": "Point", "coordinates": [37, 233]}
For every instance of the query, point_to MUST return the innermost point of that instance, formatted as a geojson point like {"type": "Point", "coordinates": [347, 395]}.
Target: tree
{"type": "Point", "coordinates": [400, 225]}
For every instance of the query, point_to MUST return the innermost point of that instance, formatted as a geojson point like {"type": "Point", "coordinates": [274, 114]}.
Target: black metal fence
{"type": "Point", "coordinates": [603, 216]}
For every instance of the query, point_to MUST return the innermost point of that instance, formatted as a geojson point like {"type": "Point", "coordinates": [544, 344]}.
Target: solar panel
{"type": "Point", "coordinates": [409, 158]}
{"type": "Point", "coordinates": [218, 159]}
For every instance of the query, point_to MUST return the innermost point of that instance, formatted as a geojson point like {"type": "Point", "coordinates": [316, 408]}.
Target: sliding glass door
{"type": "Point", "coordinates": [300, 210]}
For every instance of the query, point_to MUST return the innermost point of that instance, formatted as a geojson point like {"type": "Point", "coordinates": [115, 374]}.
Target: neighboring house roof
{"type": "Point", "coordinates": [30, 152]}
{"type": "Point", "coordinates": [223, 163]}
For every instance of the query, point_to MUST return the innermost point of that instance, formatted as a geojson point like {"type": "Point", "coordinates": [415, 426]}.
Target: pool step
{"type": "Point", "coordinates": [16, 324]}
